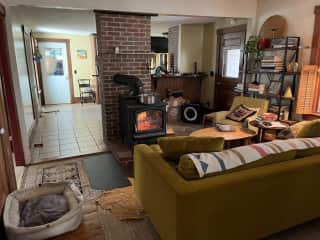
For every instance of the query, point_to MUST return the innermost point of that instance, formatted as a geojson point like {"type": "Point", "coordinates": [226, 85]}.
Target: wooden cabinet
{"type": "Point", "coordinates": [190, 85]}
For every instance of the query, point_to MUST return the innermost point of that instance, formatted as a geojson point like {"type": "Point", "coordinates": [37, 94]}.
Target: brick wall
{"type": "Point", "coordinates": [173, 44]}
{"type": "Point", "coordinates": [131, 33]}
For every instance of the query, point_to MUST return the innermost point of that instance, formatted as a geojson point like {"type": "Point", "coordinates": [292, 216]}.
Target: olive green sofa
{"type": "Point", "coordinates": [242, 205]}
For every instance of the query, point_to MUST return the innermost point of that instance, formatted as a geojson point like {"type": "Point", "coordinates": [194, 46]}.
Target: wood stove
{"type": "Point", "coordinates": [141, 123]}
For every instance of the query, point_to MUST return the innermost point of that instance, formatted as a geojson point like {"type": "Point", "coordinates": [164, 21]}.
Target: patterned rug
{"type": "Point", "coordinates": [64, 171]}
{"type": "Point", "coordinates": [122, 202]}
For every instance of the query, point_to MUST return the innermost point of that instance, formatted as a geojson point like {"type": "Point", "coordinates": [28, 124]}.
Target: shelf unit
{"type": "Point", "coordinates": [255, 74]}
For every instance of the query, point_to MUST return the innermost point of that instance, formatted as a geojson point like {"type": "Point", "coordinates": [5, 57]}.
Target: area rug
{"type": "Point", "coordinates": [62, 173]}
{"type": "Point", "coordinates": [123, 203]}
{"type": "Point", "coordinates": [104, 172]}
{"type": "Point", "coordinates": [70, 171]}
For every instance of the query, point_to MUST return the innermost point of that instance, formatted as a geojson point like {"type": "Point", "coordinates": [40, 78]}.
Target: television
{"type": "Point", "coordinates": [159, 44]}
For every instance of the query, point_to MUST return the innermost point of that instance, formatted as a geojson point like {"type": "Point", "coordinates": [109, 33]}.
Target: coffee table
{"type": "Point", "coordinates": [241, 135]}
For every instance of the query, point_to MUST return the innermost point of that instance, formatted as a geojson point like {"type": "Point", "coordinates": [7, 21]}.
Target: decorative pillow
{"type": "Point", "coordinates": [174, 147]}
{"type": "Point", "coordinates": [292, 131]}
{"type": "Point", "coordinates": [187, 169]}
{"type": "Point", "coordinates": [310, 129]}
{"type": "Point", "coordinates": [240, 113]}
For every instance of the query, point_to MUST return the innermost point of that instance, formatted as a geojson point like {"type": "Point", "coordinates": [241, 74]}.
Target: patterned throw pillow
{"type": "Point", "coordinates": [240, 113]}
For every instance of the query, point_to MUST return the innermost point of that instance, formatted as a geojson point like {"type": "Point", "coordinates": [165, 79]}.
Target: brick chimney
{"type": "Point", "coordinates": [130, 33]}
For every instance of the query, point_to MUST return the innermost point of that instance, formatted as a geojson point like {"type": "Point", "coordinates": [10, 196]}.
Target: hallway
{"type": "Point", "coordinates": [68, 130]}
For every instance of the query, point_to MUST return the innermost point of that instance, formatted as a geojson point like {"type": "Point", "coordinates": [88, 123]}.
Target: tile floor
{"type": "Point", "coordinates": [68, 130]}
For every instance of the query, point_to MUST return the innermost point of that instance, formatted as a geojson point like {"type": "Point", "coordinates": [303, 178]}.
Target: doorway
{"type": "Point", "coordinates": [230, 52]}
{"type": "Point", "coordinates": [56, 72]}
{"type": "Point", "coordinates": [7, 175]}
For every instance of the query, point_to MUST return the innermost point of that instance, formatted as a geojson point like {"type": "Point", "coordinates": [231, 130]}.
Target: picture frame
{"type": "Point", "coordinates": [82, 54]}
{"type": "Point", "coordinates": [274, 88]}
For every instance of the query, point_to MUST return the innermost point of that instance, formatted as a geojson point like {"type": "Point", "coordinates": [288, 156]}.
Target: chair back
{"type": "Point", "coordinates": [84, 83]}
{"type": "Point", "coordinates": [262, 104]}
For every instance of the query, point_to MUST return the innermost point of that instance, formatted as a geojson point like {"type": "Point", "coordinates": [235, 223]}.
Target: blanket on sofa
{"type": "Point", "coordinates": [213, 162]}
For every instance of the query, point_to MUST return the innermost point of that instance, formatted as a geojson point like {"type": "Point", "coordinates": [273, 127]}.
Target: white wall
{"type": "Point", "coordinates": [216, 8]}
{"type": "Point", "coordinates": [14, 73]}
{"type": "Point", "coordinates": [191, 47]}
{"type": "Point", "coordinates": [300, 18]}
{"type": "Point", "coordinates": [157, 29]}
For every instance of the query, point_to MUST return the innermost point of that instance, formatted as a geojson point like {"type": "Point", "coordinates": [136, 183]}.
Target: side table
{"type": "Point", "coordinates": [277, 127]}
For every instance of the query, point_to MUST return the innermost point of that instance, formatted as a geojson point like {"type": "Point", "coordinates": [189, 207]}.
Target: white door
{"type": "Point", "coordinates": [55, 72]}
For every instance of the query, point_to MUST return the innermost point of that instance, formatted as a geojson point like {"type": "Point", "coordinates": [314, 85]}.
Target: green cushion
{"type": "Point", "coordinates": [156, 148]}
{"type": "Point", "coordinates": [187, 169]}
{"type": "Point", "coordinates": [311, 129]}
{"type": "Point", "coordinates": [174, 147]}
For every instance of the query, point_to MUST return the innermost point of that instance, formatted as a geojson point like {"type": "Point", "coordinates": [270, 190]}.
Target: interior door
{"type": "Point", "coordinates": [55, 72]}
{"type": "Point", "coordinates": [7, 177]}
{"type": "Point", "coordinates": [230, 52]}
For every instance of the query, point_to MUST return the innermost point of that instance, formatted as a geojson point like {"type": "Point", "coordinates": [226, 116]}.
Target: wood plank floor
{"type": "Point", "coordinates": [100, 224]}
{"type": "Point", "coordinates": [91, 227]}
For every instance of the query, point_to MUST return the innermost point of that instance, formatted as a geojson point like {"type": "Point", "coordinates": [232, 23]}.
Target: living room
{"type": "Point", "coordinates": [211, 105]}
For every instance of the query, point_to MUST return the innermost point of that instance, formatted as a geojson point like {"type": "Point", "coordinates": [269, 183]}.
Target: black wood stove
{"type": "Point", "coordinates": [139, 123]}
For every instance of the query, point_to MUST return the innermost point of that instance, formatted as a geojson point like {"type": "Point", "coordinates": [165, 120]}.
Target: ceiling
{"type": "Point", "coordinates": [83, 21]}
{"type": "Point", "coordinates": [176, 20]}
{"type": "Point", "coordinates": [55, 20]}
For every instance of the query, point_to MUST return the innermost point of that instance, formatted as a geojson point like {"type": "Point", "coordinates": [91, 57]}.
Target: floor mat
{"type": "Point", "coordinates": [71, 171]}
{"type": "Point", "coordinates": [104, 172]}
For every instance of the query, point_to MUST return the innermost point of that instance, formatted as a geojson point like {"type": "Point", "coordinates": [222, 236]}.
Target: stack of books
{"type": "Point", "coordinates": [256, 88]}
{"type": "Point", "coordinates": [276, 109]}
{"type": "Point", "coordinates": [253, 87]}
{"type": "Point", "coordinates": [238, 87]}
{"type": "Point", "coordinates": [272, 64]}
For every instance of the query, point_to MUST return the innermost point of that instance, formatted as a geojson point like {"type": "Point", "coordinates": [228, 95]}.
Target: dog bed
{"type": "Point", "coordinates": [68, 218]}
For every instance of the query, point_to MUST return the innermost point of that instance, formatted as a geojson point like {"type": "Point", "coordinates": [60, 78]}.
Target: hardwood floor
{"type": "Point", "coordinates": [91, 228]}
{"type": "Point", "coordinates": [100, 224]}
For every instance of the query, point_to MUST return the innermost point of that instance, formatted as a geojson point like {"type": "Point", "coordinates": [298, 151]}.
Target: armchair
{"type": "Point", "coordinates": [221, 117]}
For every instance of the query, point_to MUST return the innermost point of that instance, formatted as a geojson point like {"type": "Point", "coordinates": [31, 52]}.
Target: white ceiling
{"type": "Point", "coordinates": [83, 21]}
{"type": "Point", "coordinates": [56, 20]}
{"type": "Point", "coordinates": [176, 20]}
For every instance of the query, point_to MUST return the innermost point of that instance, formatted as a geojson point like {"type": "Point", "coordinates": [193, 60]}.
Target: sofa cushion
{"type": "Point", "coordinates": [240, 113]}
{"type": "Point", "coordinates": [310, 129]}
{"type": "Point", "coordinates": [174, 147]}
{"type": "Point", "coordinates": [216, 162]}
{"type": "Point", "coordinates": [156, 148]}
{"type": "Point", "coordinates": [293, 130]}
{"type": "Point", "coordinates": [188, 170]}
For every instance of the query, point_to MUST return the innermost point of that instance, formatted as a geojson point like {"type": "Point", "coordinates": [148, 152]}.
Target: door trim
{"type": "Point", "coordinates": [11, 106]}
{"type": "Point", "coordinates": [315, 52]}
{"type": "Point", "coordinates": [34, 110]}
{"type": "Point", "coordinates": [71, 85]}
{"type": "Point", "coordinates": [235, 29]}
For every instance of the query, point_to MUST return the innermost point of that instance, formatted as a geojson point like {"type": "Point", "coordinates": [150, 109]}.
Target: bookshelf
{"type": "Point", "coordinates": [269, 67]}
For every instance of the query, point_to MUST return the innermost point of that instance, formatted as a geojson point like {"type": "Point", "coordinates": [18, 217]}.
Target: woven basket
{"type": "Point", "coordinates": [68, 222]}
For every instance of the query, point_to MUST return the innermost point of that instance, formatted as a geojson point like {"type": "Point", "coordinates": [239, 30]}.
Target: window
{"type": "Point", "coordinates": [53, 60]}
{"type": "Point", "coordinates": [231, 63]}
{"type": "Point", "coordinates": [309, 90]}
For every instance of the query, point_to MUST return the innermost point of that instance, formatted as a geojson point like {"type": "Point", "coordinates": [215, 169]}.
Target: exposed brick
{"type": "Point", "coordinates": [131, 33]}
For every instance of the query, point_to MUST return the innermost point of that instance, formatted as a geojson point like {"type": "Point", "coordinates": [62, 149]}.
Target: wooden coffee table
{"type": "Point", "coordinates": [241, 135]}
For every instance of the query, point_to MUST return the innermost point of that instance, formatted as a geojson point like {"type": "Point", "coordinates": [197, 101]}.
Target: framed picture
{"type": "Point", "coordinates": [274, 88]}
{"type": "Point", "coordinates": [82, 54]}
